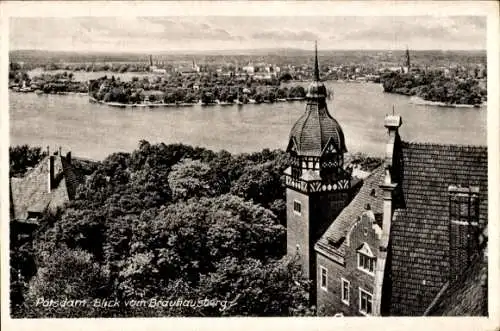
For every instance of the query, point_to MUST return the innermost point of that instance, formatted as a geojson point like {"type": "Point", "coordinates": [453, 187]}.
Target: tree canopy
{"type": "Point", "coordinates": [166, 222]}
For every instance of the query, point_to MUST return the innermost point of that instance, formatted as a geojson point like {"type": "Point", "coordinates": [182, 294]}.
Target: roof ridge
{"type": "Point", "coordinates": [31, 170]}
{"type": "Point", "coordinates": [373, 172]}
{"type": "Point", "coordinates": [307, 114]}
{"type": "Point", "coordinates": [443, 145]}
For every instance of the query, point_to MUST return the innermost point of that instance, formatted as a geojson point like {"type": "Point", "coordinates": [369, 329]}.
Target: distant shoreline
{"type": "Point", "coordinates": [422, 102]}
{"type": "Point", "coordinates": [181, 104]}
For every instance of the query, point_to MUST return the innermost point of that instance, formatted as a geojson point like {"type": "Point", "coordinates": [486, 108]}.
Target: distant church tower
{"type": "Point", "coordinates": [317, 185]}
{"type": "Point", "coordinates": [406, 67]}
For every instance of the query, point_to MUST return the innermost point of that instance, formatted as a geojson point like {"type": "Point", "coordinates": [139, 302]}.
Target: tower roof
{"type": "Point", "coordinates": [316, 128]}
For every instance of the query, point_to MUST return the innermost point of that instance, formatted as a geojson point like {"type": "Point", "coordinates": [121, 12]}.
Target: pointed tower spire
{"type": "Point", "coordinates": [407, 57]}
{"type": "Point", "coordinates": [316, 66]}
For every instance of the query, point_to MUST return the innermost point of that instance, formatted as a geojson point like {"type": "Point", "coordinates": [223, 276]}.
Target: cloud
{"type": "Point", "coordinates": [185, 29]}
{"type": "Point", "coordinates": [412, 30]}
{"type": "Point", "coordinates": [478, 22]}
{"type": "Point", "coordinates": [285, 35]}
{"type": "Point", "coordinates": [231, 32]}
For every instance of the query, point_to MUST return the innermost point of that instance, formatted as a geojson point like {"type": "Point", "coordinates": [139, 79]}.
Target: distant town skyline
{"type": "Point", "coordinates": [184, 33]}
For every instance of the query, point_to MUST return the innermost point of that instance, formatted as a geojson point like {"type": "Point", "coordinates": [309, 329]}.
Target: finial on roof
{"type": "Point", "coordinates": [316, 66]}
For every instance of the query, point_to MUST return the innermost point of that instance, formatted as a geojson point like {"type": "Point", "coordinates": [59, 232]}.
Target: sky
{"type": "Point", "coordinates": [180, 33]}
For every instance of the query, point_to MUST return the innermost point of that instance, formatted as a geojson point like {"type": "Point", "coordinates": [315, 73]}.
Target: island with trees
{"type": "Point", "coordinates": [158, 91]}
{"type": "Point", "coordinates": [435, 87]}
{"type": "Point", "coordinates": [45, 83]}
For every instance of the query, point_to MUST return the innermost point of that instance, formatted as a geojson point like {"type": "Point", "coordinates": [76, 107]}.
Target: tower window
{"type": "Point", "coordinates": [365, 302]}
{"type": "Point", "coordinates": [297, 207]}
{"type": "Point", "coordinates": [324, 278]}
{"type": "Point", "coordinates": [345, 291]}
{"type": "Point", "coordinates": [296, 172]}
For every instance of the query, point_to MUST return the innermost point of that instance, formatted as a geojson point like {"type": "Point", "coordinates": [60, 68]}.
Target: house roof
{"type": "Point", "coordinates": [369, 193]}
{"type": "Point", "coordinates": [466, 296]}
{"type": "Point", "coordinates": [30, 193]}
{"type": "Point", "coordinates": [420, 231]}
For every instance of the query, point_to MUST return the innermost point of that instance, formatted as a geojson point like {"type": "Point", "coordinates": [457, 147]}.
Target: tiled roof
{"type": "Point", "coordinates": [30, 193]}
{"type": "Point", "coordinates": [467, 296]}
{"type": "Point", "coordinates": [420, 230]}
{"type": "Point", "coordinates": [370, 193]}
{"type": "Point", "coordinates": [315, 128]}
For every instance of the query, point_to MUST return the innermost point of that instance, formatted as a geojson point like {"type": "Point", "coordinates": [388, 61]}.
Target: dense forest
{"type": "Point", "coordinates": [164, 222]}
{"type": "Point", "coordinates": [435, 86]}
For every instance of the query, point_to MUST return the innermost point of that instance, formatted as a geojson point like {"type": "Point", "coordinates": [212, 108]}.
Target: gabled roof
{"type": "Point", "coordinates": [420, 232]}
{"type": "Point", "coordinates": [365, 249]}
{"type": "Point", "coordinates": [30, 193]}
{"type": "Point", "coordinates": [370, 193]}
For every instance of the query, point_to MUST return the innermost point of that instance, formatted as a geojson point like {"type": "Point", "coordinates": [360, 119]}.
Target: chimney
{"type": "Point", "coordinates": [50, 176]}
{"type": "Point", "coordinates": [68, 157]}
{"type": "Point", "coordinates": [392, 123]}
{"type": "Point", "coordinates": [464, 230]}
{"type": "Point", "coordinates": [389, 185]}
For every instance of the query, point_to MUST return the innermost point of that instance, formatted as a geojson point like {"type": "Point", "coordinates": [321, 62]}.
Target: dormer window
{"type": "Point", "coordinates": [366, 259]}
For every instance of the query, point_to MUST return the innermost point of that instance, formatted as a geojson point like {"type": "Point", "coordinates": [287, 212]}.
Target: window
{"type": "Point", "coordinates": [345, 291]}
{"type": "Point", "coordinates": [366, 263]}
{"type": "Point", "coordinates": [297, 207]}
{"type": "Point", "coordinates": [366, 259]}
{"type": "Point", "coordinates": [324, 278]}
{"type": "Point", "coordinates": [365, 302]}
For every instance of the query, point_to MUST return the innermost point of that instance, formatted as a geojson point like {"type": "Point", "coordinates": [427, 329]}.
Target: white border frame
{"type": "Point", "coordinates": [271, 8]}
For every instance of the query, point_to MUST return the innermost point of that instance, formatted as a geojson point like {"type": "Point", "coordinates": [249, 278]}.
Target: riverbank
{"type": "Point", "coordinates": [180, 104]}
{"type": "Point", "coordinates": [421, 102]}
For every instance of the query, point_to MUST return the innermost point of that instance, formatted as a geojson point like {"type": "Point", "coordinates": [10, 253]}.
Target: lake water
{"type": "Point", "coordinates": [95, 131]}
